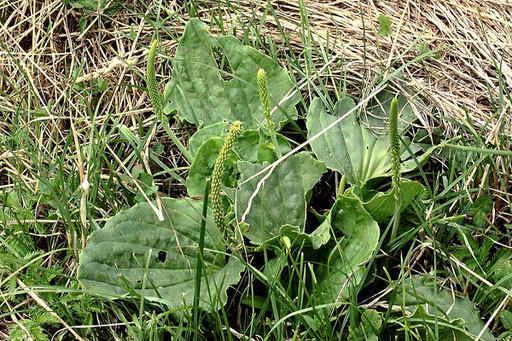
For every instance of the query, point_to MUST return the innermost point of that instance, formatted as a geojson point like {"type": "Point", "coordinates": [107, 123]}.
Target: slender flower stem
{"type": "Point", "coordinates": [265, 103]}
{"type": "Point", "coordinates": [218, 170]}
{"type": "Point", "coordinates": [157, 102]}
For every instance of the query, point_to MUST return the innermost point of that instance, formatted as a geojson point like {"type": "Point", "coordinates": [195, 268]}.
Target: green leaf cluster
{"type": "Point", "coordinates": [265, 197]}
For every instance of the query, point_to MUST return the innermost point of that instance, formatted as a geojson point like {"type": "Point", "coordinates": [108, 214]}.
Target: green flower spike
{"type": "Point", "coordinates": [218, 169]}
{"type": "Point", "coordinates": [154, 92]}
{"type": "Point", "coordinates": [395, 160]}
{"type": "Point", "coordinates": [265, 103]}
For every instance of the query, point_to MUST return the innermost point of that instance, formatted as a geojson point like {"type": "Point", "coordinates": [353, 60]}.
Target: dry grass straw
{"type": "Point", "coordinates": [456, 83]}
{"type": "Point", "coordinates": [46, 43]}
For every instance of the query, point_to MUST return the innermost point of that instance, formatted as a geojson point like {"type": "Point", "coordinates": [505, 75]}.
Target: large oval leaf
{"type": "Point", "coordinates": [361, 234]}
{"type": "Point", "coordinates": [381, 205]}
{"type": "Point", "coordinates": [116, 255]}
{"type": "Point", "coordinates": [347, 147]}
{"type": "Point", "coordinates": [252, 145]}
{"type": "Point", "coordinates": [200, 94]}
{"type": "Point", "coordinates": [281, 200]}
{"type": "Point", "coordinates": [203, 164]}
{"type": "Point", "coordinates": [350, 148]}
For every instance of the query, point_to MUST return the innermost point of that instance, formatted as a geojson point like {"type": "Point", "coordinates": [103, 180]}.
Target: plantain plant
{"type": "Point", "coordinates": [266, 193]}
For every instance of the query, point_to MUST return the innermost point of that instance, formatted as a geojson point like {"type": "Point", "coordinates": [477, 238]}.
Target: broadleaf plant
{"type": "Point", "coordinates": [282, 198]}
{"type": "Point", "coordinates": [257, 194]}
{"type": "Point", "coordinates": [429, 305]}
{"type": "Point", "coordinates": [339, 269]}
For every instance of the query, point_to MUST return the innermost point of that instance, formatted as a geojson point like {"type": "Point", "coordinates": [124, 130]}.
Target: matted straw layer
{"type": "Point", "coordinates": [475, 37]}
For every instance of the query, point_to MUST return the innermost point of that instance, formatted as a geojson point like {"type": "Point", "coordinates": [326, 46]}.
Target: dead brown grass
{"type": "Point", "coordinates": [473, 36]}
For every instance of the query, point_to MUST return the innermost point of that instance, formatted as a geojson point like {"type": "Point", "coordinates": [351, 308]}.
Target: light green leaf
{"type": "Point", "coordinates": [349, 148]}
{"type": "Point", "coordinates": [480, 208]}
{"type": "Point", "coordinates": [91, 5]}
{"type": "Point", "coordinates": [425, 303]}
{"type": "Point", "coordinates": [381, 205]}
{"type": "Point", "coordinates": [385, 25]}
{"type": "Point", "coordinates": [200, 93]}
{"type": "Point", "coordinates": [202, 135]}
{"type": "Point", "coordinates": [256, 146]}
{"type": "Point", "coordinates": [371, 321]}
{"type": "Point", "coordinates": [298, 238]}
{"type": "Point", "coordinates": [122, 247]}
{"type": "Point", "coordinates": [281, 200]}
{"type": "Point", "coordinates": [202, 167]}
{"type": "Point", "coordinates": [252, 146]}
{"type": "Point", "coordinates": [360, 238]}
{"type": "Point", "coordinates": [506, 319]}
{"type": "Point", "coordinates": [319, 237]}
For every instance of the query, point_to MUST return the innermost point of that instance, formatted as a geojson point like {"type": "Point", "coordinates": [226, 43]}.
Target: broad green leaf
{"type": "Point", "coordinates": [349, 148]}
{"type": "Point", "coordinates": [281, 200]}
{"type": "Point", "coordinates": [255, 146]}
{"type": "Point", "coordinates": [503, 272]}
{"type": "Point", "coordinates": [360, 238]}
{"type": "Point", "coordinates": [252, 146]}
{"type": "Point", "coordinates": [202, 135]}
{"type": "Point", "coordinates": [203, 164]}
{"type": "Point", "coordinates": [319, 237]}
{"type": "Point", "coordinates": [298, 238]}
{"type": "Point", "coordinates": [425, 303]}
{"type": "Point", "coordinates": [506, 319]}
{"type": "Point", "coordinates": [120, 250]}
{"type": "Point", "coordinates": [381, 205]}
{"type": "Point", "coordinates": [371, 321]}
{"type": "Point", "coordinates": [146, 183]}
{"type": "Point", "coordinates": [274, 267]}
{"type": "Point", "coordinates": [376, 114]}
{"type": "Point", "coordinates": [200, 93]}
{"type": "Point", "coordinates": [480, 208]}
